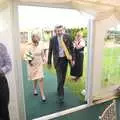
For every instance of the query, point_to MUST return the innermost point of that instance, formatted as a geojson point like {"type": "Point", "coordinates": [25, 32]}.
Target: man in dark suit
{"type": "Point", "coordinates": [60, 58]}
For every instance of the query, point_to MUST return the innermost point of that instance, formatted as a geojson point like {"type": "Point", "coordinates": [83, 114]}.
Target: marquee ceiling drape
{"type": "Point", "coordinates": [101, 9]}
{"type": "Point", "coordinates": [102, 2]}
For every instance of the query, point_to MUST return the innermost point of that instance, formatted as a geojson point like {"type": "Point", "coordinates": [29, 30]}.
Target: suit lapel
{"type": "Point", "coordinates": [56, 44]}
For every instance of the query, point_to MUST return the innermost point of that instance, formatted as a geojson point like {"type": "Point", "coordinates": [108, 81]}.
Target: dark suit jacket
{"type": "Point", "coordinates": [54, 48]}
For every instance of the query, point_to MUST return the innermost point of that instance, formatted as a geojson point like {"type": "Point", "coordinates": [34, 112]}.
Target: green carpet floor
{"type": "Point", "coordinates": [35, 108]}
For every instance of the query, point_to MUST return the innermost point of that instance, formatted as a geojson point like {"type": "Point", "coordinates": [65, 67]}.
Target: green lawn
{"type": "Point", "coordinates": [111, 66]}
{"type": "Point", "coordinates": [110, 71]}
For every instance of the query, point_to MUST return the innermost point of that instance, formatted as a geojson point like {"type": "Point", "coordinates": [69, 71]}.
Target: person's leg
{"type": "Point", "coordinates": [61, 74]}
{"type": "Point", "coordinates": [4, 114]}
{"type": "Point", "coordinates": [4, 99]}
{"type": "Point", "coordinates": [59, 85]}
{"type": "Point", "coordinates": [81, 65]}
{"type": "Point", "coordinates": [64, 71]}
{"type": "Point", "coordinates": [35, 87]}
{"type": "Point", "coordinates": [41, 85]}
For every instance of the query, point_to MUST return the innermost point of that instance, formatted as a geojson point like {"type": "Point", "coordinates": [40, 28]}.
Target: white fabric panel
{"type": "Point", "coordinates": [108, 2]}
{"type": "Point", "coordinates": [117, 13]}
{"type": "Point", "coordinates": [104, 15]}
{"type": "Point", "coordinates": [97, 2]}
{"type": "Point", "coordinates": [1, 1]}
{"type": "Point", "coordinates": [91, 8]}
{"type": "Point", "coordinates": [3, 4]}
{"type": "Point", "coordinates": [47, 1]}
{"type": "Point", "coordinates": [112, 2]}
{"type": "Point", "coordinates": [99, 11]}
{"type": "Point", "coordinates": [100, 31]}
{"type": "Point", "coordinates": [97, 55]}
{"type": "Point", "coordinates": [6, 39]}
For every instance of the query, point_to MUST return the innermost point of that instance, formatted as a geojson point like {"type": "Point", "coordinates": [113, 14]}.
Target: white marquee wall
{"type": "Point", "coordinates": [101, 27]}
{"type": "Point", "coordinates": [6, 39]}
{"type": "Point", "coordinates": [9, 36]}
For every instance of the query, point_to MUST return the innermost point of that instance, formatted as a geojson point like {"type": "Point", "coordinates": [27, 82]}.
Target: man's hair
{"type": "Point", "coordinates": [59, 26]}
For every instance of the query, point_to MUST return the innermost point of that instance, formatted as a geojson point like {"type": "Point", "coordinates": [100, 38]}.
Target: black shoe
{"type": "Point", "coordinates": [35, 94]}
{"type": "Point", "coordinates": [61, 99]}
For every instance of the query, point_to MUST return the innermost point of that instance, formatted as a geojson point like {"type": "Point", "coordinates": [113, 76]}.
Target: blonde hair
{"type": "Point", "coordinates": [33, 35]}
{"type": "Point", "coordinates": [79, 34]}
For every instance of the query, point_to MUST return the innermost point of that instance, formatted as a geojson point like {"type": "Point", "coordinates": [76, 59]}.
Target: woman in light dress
{"type": "Point", "coordinates": [36, 65]}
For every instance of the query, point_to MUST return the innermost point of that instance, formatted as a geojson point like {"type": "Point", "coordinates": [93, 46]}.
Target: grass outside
{"type": "Point", "coordinates": [111, 66]}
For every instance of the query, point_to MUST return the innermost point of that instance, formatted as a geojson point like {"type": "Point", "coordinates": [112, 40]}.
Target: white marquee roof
{"type": "Point", "coordinates": [99, 8]}
{"type": "Point", "coordinates": [107, 2]}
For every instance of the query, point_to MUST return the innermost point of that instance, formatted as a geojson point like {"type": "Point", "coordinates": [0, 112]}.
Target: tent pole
{"type": "Point", "coordinates": [89, 83]}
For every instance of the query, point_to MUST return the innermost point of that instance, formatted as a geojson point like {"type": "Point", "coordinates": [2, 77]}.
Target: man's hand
{"type": "Point", "coordinates": [72, 62]}
{"type": "Point", "coordinates": [49, 66]}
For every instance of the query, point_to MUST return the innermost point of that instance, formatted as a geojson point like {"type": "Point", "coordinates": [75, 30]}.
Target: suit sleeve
{"type": "Point", "coordinates": [50, 51]}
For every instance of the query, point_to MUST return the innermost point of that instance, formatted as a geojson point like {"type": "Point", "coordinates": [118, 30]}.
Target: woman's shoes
{"type": "Point", "coordinates": [43, 98]}
{"type": "Point", "coordinates": [75, 78]}
{"type": "Point", "coordinates": [35, 92]}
